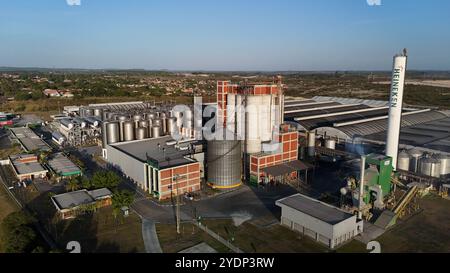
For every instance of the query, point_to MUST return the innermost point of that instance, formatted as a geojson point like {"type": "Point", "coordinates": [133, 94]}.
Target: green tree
{"type": "Point", "coordinates": [121, 199]}
{"type": "Point", "coordinates": [73, 184]}
{"type": "Point", "coordinates": [105, 179]}
{"type": "Point", "coordinates": [18, 233]}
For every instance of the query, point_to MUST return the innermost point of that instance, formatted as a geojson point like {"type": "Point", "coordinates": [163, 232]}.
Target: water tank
{"type": "Point", "coordinates": [224, 163]}
{"type": "Point", "coordinates": [429, 166]}
{"type": "Point", "coordinates": [128, 131]}
{"type": "Point", "coordinates": [330, 144]}
{"type": "Point", "coordinates": [141, 133]}
{"type": "Point", "coordinates": [444, 161]}
{"type": "Point", "coordinates": [156, 131]}
{"type": "Point", "coordinates": [403, 161]}
{"type": "Point", "coordinates": [415, 155]}
{"type": "Point", "coordinates": [112, 132]}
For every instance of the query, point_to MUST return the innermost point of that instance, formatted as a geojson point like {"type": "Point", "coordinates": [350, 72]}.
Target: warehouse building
{"type": "Point", "coordinates": [159, 166]}
{"type": "Point", "coordinates": [356, 123]}
{"type": "Point", "coordinates": [28, 139]}
{"type": "Point", "coordinates": [27, 167]}
{"type": "Point", "coordinates": [70, 204]}
{"type": "Point", "coordinates": [63, 167]}
{"type": "Point", "coordinates": [320, 221]}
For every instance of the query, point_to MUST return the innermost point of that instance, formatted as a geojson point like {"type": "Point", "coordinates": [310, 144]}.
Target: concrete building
{"type": "Point", "coordinates": [27, 167]}
{"type": "Point", "coordinates": [159, 166]}
{"type": "Point", "coordinates": [71, 204]}
{"type": "Point", "coordinates": [28, 139]}
{"type": "Point", "coordinates": [322, 222]}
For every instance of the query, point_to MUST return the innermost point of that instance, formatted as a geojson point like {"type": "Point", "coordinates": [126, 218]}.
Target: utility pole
{"type": "Point", "coordinates": [177, 211]}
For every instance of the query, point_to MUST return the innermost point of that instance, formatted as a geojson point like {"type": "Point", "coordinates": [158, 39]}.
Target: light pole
{"type": "Point", "coordinates": [177, 212]}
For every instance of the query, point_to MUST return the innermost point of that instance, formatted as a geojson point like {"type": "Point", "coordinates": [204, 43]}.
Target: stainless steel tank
{"type": "Point", "coordinates": [98, 112]}
{"type": "Point", "coordinates": [403, 161]}
{"type": "Point", "coordinates": [157, 122]}
{"type": "Point", "coordinates": [415, 155]}
{"type": "Point", "coordinates": [128, 129]}
{"type": "Point", "coordinates": [430, 166]}
{"type": "Point", "coordinates": [164, 125]}
{"type": "Point", "coordinates": [151, 116]}
{"type": "Point", "coordinates": [330, 144]}
{"type": "Point", "coordinates": [104, 135]}
{"type": "Point", "coordinates": [224, 163]}
{"type": "Point", "coordinates": [141, 133]}
{"type": "Point", "coordinates": [156, 131]}
{"type": "Point", "coordinates": [143, 123]}
{"type": "Point", "coordinates": [122, 120]}
{"type": "Point", "coordinates": [88, 112]}
{"type": "Point", "coordinates": [171, 125]}
{"type": "Point", "coordinates": [112, 132]}
{"type": "Point", "coordinates": [444, 161]}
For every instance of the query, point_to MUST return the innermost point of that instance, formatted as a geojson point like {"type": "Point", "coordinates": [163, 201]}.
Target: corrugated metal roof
{"type": "Point", "coordinates": [373, 127]}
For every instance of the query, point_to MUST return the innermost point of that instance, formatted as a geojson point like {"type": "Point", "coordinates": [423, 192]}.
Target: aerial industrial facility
{"type": "Point", "coordinates": [255, 135]}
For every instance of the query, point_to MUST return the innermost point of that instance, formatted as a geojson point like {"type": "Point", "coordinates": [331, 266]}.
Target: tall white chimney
{"type": "Point", "coordinates": [395, 106]}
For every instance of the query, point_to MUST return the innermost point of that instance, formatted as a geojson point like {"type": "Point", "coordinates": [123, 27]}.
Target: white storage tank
{"type": "Point", "coordinates": [403, 161]}
{"type": "Point", "coordinates": [252, 124]}
{"type": "Point", "coordinates": [311, 143]}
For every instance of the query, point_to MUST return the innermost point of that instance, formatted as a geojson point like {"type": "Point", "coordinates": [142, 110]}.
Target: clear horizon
{"type": "Point", "coordinates": [233, 35]}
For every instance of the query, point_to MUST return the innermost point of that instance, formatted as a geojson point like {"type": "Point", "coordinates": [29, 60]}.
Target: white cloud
{"type": "Point", "coordinates": [374, 2]}
{"type": "Point", "coordinates": [73, 2]}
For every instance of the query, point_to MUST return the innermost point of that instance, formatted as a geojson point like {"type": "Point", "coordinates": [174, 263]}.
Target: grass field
{"type": "Point", "coordinates": [101, 233]}
{"type": "Point", "coordinates": [252, 238]}
{"type": "Point", "coordinates": [190, 235]}
{"type": "Point", "coordinates": [6, 207]}
{"type": "Point", "coordinates": [425, 232]}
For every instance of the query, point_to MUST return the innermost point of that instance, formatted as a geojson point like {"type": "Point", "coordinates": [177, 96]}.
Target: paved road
{"type": "Point", "coordinates": [150, 237]}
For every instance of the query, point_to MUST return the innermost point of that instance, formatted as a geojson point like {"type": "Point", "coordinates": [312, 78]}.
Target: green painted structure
{"type": "Point", "coordinates": [378, 172]}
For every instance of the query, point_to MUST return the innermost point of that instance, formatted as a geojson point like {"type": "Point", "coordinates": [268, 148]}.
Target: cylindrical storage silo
{"type": "Point", "coordinates": [415, 155]}
{"type": "Point", "coordinates": [171, 125]}
{"type": "Point", "coordinates": [141, 133]}
{"type": "Point", "coordinates": [311, 143]}
{"type": "Point", "coordinates": [122, 120]}
{"type": "Point", "coordinates": [128, 129]}
{"type": "Point", "coordinates": [224, 163]}
{"type": "Point", "coordinates": [444, 161]}
{"type": "Point", "coordinates": [330, 144]}
{"type": "Point", "coordinates": [157, 122]}
{"type": "Point", "coordinates": [156, 131]}
{"type": "Point", "coordinates": [403, 161]}
{"type": "Point", "coordinates": [104, 135]}
{"type": "Point", "coordinates": [429, 166]}
{"type": "Point", "coordinates": [112, 132]}
{"type": "Point", "coordinates": [265, 122]}
{"type": "Point", "coordinates": [252, 122]}
{"type": "Point", "coordinates": [231, 113]}
{"type": "Point", "coordinates": [98, 112]}
{"type": "Point", "coordinates": [164, 124]}
{"type": "Point", "coordinates": [88, 113]}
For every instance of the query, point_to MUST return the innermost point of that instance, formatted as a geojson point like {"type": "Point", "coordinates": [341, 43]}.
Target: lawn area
{"type": "Point", "coordinates": [96, 232]}
{"type": "Point", "coordinates": [425, 232]}
{"type": "Point", "coordinates": [252, 238]}
{"type": "Point", "coordinates": [101, 233]}
{"type": "Point", "coordinates": [190, 235]}
{"type": "Point", "coordinates": [6, 207]}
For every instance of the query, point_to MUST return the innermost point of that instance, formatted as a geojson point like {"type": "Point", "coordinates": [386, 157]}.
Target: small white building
{"type": "Point", "coordinates": [322, 222]}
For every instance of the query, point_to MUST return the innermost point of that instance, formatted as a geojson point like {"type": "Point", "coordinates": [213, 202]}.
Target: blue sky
{"type": "Point", "coordinates": [224, 35]}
